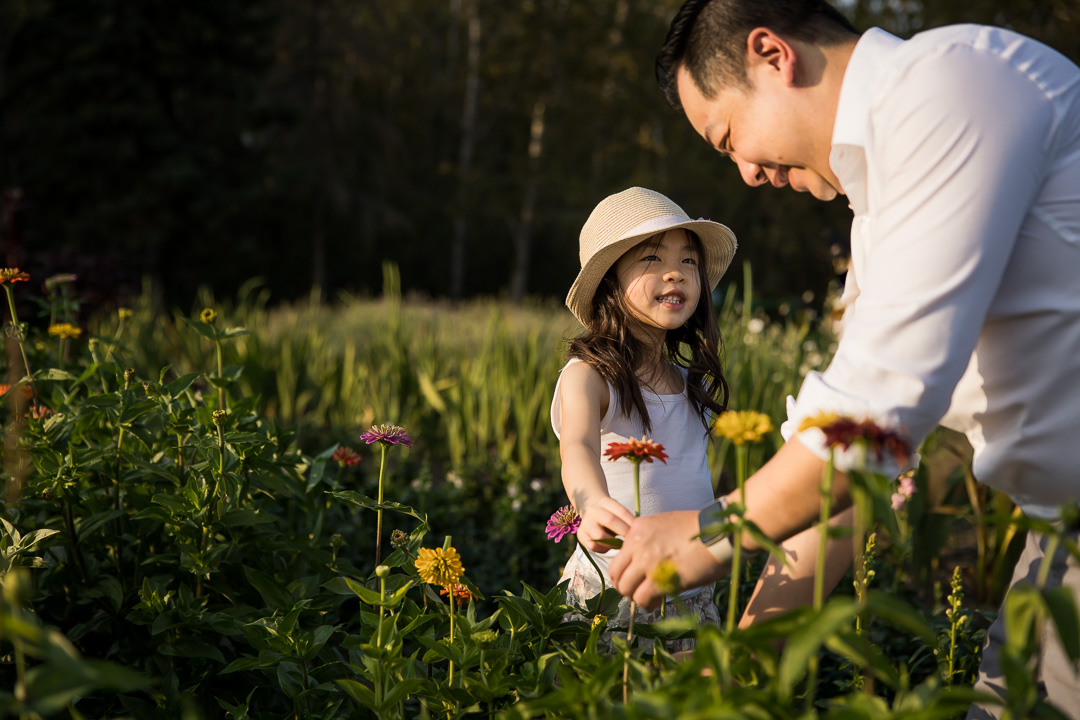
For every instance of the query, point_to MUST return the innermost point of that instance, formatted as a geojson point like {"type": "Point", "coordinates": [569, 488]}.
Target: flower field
{"type": "Point", "coordinates": [347, 512]}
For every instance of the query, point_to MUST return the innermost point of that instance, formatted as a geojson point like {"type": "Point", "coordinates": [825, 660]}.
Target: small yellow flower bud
{"type": "Point", "coordinates": [337, 540]}
{"type": "Point", "coordinates": [128, 375]}
{"type": "Point", "coordinates": [382, 571]}
{"type": "Point", "coordinates": [124, 313]}
{"type": "Point", "coordinates": [208, 316]}
{"type": "Point", "coordinates": [219, 417]}
{"type": "Point", "coordinates": [666, 578]}
{"type": "Point", "coordinates": [485, 639]}
{"type": "Point", "coordinates": [599, 620]}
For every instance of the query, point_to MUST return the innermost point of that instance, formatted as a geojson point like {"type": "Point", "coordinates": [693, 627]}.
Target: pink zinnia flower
{"type": "Point", "coordinates": [387, 435]}
{"type": "Point", "coordinates": [564, 521]}
{"type": "Point", "coordinates": [904, 491]}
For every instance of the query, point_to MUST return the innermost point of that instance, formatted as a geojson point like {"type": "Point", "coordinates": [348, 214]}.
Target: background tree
{"type": "Point", "coordinates": [307, 142]}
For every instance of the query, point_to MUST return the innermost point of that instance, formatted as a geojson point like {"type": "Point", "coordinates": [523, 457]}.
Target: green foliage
{"type": "Point", "coordinates": [164, 557]}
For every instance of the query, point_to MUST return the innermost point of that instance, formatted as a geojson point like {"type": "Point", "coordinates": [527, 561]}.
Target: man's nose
{"type": "Point", "coordinates": [752, 173]}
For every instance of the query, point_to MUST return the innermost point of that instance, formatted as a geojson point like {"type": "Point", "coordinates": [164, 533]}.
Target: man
{"type": "Point", "coordinates": [959, 153]}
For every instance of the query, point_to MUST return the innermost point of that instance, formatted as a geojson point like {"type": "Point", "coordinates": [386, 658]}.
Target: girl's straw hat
{"type": "Point", "coordinates": [623, 220]}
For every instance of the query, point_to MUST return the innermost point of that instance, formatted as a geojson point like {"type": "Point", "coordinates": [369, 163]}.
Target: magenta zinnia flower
{"type": "Point", "coordinates": [387, 435]}
{"type": "Point", "coordinates": [564, 521]}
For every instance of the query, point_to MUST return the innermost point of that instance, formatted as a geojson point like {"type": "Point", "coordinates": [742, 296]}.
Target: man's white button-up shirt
{"type": "Point", "coordinates": [959, 151]}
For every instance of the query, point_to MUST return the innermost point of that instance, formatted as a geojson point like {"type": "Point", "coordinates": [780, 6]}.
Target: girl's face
{"type": "Point", "coordinates": [660, 279]}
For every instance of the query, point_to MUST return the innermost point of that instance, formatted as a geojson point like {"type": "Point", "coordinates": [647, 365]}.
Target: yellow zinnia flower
{"type": "Point", "coordinates": [821, 420]}
{"type": "Point", "coordinates": [65, 330]}
{"type": "Point", "coordinates": [743, 426]}
{"type": "Point", "coordinates": [665, 577]}
{"type": "Point", "coordinates": [439, 567]}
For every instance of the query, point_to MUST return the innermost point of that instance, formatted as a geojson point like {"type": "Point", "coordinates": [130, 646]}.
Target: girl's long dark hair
{"type": "Point", "coordinates": [609, 346]}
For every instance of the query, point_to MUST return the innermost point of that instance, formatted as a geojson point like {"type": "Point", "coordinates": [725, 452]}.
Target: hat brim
{"type": "Point", "coordinates": [717, 241]}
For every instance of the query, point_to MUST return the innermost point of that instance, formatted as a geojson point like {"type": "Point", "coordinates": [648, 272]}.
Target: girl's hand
{"type": "Point", "coordinates": [603, 518]}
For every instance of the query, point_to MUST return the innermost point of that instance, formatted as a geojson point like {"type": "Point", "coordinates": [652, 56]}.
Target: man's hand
{"type": "Point", "coordinates": [603, 518]}
{"type": "Point", "coordinates": [656, 537]}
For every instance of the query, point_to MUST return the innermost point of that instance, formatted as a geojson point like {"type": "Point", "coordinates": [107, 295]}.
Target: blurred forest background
{"type": "Point", "coordinates": [306, 142]}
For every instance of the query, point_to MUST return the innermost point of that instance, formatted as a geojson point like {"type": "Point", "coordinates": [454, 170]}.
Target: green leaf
{"type": "Point", "coordinates": [181, 383]}
{"type": "Point", "coordinates": [244, 663]}
{"type": "Point", "coordinates": [176, 503]}
{"type": "Point", "coordinates": [358, 692]}
{"type": "Point", "coordinates": [290, 678]}
{"type": "Point", "coordinates": [207, 331]}
{"type": "Point", "coordinates": [191, 648]}
{"type": "Point", "coordinates": [234, 332]}
{"type": "Point", "coordinates": [401, 690]}
{"type": "Point", "coordinates": [101, 401]}
{"type": "Point", "coordinates": [1061, 602]}
{"type": "Point", "coordinates": [348, 586]}
{"type": "Point", "coordinates": [245, 517]}
{"type": "Point", "coordinates": [894, 610]}
{"type": "Point", "coordinates": [30, 540]}
{"type": "Point", "coordinates": [136, 410]}
{"type": "Point", "coordinates": [834, 618]}
{"type": "Point", "coordinates": [273, 594]}
{"type": "Point", "coordinates": [610, 542]}
{"type": "Point", "coordinates": [89, 525]}
{"type": "Point", "coordinates": [54, 374]}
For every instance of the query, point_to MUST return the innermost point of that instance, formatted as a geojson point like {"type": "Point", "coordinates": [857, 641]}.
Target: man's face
{"type": "Point", "coordinates": [762, 131]}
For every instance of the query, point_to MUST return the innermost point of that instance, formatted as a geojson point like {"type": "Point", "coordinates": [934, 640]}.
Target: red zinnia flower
{"type": "Point", "coordinates": [346, 456]}
{"type": "Point", "coordinates": [844, 431]}
{"type": "Point", "coordinates": [636, 450]}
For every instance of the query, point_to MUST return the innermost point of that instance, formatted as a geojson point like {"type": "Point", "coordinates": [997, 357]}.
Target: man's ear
{"type": "Point", "coordinates": [766, 51]}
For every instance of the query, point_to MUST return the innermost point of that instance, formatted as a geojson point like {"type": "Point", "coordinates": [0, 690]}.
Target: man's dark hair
{"type": "Point", "coordinates": [709, 38]}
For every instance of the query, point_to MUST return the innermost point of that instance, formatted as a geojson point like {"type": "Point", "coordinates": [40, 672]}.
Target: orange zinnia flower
{"type": "Point", "coordinates": [10, 275]}
{"type": "Point", "coordinates": [39, 412]}
{"type": "Point", "coordinates": [461, 592]}
{"type": "Point", "coordinates": [636, 450]}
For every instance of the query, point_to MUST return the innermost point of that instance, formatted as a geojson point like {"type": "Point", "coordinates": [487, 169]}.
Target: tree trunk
{"type": "Point", "coordinates": [465, 154]}
{"type": "Point", "coordinates": [523, 237]}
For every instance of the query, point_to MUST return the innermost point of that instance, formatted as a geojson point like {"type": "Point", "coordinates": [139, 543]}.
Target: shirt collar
{"type": "Point", "coordinates": [868, 59]}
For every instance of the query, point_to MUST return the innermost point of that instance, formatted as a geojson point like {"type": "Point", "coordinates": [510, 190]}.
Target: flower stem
{"type": "Point", "coordinates": [378, 517]}
{"type": "Point", "coordinates": [19, 339]}
{"type": "Point", "coordinates": [220, 369]}
{"type": "Point", "coordinates": [603, 585]}
{"type": "Point", "coordinates": [819, 570]}
{"type": "Point", "coordinates": [741, 459]}
{"type": "Point", "coordinates": [451, 632]}
{"type": "Point", "coordinates": [633, 605]}
{"type": "Point", "coordinates": [858, 538]}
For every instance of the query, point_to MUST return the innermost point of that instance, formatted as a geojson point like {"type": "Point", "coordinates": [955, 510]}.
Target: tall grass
{"type": "Point", "coordinates": [475, 378]}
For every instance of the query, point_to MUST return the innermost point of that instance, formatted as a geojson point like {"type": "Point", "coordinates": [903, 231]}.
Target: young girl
{"type": "Point", "coordinates": [646, 365]}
